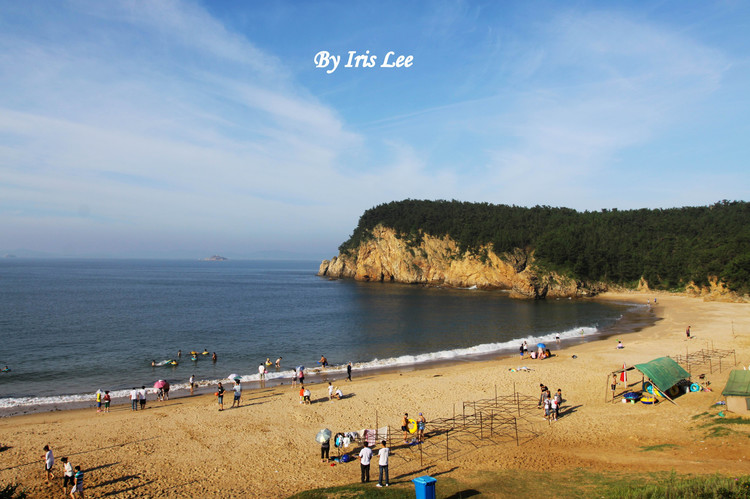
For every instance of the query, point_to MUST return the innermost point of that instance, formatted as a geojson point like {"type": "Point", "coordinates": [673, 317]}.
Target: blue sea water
{"type": "Point", "coordinates": [70, 327]}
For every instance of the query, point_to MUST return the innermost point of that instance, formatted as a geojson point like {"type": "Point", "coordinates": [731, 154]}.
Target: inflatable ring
{"type": "Point", "coordinates": [632, 396]}
{"type": "Point", "coordinates": [650, 388]}
{"type": "Point", "coordinates": [674, 391]}
{"type": "Point", "coordinates": [649, 399]}
{"type": "Point", "coordinates": [695, 387]}
{"type": "Point", "coordinates": [412, 425]}
{"type": "Point", "coordinates": [194, 353]}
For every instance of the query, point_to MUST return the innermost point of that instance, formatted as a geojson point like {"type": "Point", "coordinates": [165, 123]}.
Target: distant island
{"type": "Point", "coordinates": [215, 258]}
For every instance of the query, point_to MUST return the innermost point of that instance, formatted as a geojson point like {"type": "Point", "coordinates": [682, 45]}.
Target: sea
{"type": "Point", "coordinates": [70, 327]}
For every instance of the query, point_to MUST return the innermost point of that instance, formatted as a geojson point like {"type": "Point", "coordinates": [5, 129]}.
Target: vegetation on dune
{"type": "Point", "coordinates": [668, 247]}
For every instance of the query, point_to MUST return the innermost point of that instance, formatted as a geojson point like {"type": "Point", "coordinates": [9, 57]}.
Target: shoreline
{"type": "Point", "coordinates": [632, 320]}
{"type": "Point", "coordinates": [268, 442]}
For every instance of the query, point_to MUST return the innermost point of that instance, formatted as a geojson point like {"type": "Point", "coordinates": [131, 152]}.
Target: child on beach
{"type": "Point", "coordinates": [220, 396]}
{"type": "Point", "coordinates": [49, 462]}
{"type": "Point", "coordinates": [107, 400]}
{"type": "Point", "coordinates": [67, 473]}
{"type": "Point", "coordinates": [77, 483]}
{"type": "Point", "coordinates": [306, 395]}
{"type": "Point", "coordinates": [301, 394]}
{"type": "Point", "coordinates": [558, 401]}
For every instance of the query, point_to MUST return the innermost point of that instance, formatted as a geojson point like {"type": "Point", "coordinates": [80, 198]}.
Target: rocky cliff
{"type": "Point", "coordinates": [388, 257]}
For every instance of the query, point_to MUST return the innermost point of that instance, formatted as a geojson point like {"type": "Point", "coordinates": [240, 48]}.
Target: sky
{"type": "Point", "coordinates": [183, 129]}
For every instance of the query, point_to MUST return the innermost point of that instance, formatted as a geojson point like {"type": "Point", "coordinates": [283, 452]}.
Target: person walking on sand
{"type": "Point", "coordinates": [687, 332]}
{"type": "Point", "coordinates": [77, 483]}
{"type": "Point", "coordinates": [220, 396]}
{"type": "Point", "coordinates": [49, 462]}
{"type": "Point", "coordinates": [67, 474]}
{"type": "Point", "coordinates": [383, 465]}
{"type": "Point", "coordinates": [349, 371]}
{"type": "Point", "coordinates": [405, 426]}
{"type": "Point", "coordinates": [421, 423]}
{"type": "Point", "coordinates": [237, 394]}
{"type": "Point", "coordinates": [364, 463]}
{"type": "Point", "coordinates": [541, 395]}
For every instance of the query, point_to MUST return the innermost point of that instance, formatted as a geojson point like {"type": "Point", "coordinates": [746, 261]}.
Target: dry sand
{"type": "Point", "coordinates": [187, 448]}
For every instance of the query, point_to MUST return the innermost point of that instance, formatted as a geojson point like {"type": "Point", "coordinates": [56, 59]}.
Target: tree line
{"type": "Point", "coordinates": [667, 247]}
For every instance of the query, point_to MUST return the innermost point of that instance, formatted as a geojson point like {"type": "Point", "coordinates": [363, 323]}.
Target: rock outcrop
{"type": "Point", "coordinates": [388, 257]}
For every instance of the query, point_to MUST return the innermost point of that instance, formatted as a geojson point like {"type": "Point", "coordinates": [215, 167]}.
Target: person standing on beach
{"type": "Point", "coordinates": [349, 371]}
{"type": "Point", "coordinates": [405, 426]}
{"type": "Point", "coordinates": [558, 402]}
{"type": "Point", "coordinates": [134, 399]}
{"type": "Point", "coordinates": [383, 465]}
{"type": "Point", "coordinates": [49, 462]}
{"type": "Point", "coordinates": [330, 391]}
{"type": "Point", "coordinates": [525, 347]}
{"type": "Point", "coordinates": [557, 339]}
{"type": "Point", "coordinates": [107, 400]}
{"type": "Point", "coordinates": [421, 423]}
{"type": "Point", "coordinates": [220, 396]}
{"type": "Point", "coordinates": [614, 385]}
{"type": "Point", "coordinates": [687, 332]}
{"type": "Point", "coordinates": [237, 394]}
{"type": "Point", "coordinates": [325, 448]}
{"type": "Point", "coordinates": [301, 376]}
{"type": "Point", "coordinates": [364, 463]}
{"type": "Point", "coordinates": [98, 401]}
{"type": "Point", "coordinates": [192, 383]}
{"type": "Point", "coordinates": [142, 397]}
{"type": "Point", "coordinates": [294, 378]}
{"type": "Point", "coordinates": [166, 391]}
{"type": "Point", "coordinates": [301, 393]}
{"type": "Point", "coordinates": [520, 350]}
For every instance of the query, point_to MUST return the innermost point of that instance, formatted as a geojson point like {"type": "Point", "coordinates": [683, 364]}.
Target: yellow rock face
{"type": "Point", "coordinates": [437, 261]}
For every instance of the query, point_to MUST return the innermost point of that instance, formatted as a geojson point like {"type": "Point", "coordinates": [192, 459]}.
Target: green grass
{"type": "Point", "coordinates": [567, 484]}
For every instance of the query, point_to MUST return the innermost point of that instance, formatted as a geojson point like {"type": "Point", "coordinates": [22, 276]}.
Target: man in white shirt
{"type": "Point", "coordinates": [383, 464]}
{"type": "Point", "coordinates": [262, 371]}
{"type": "Point", "coordinates": [134, 399]}
{"type": "Point", "coordinates": [364, 463]}
{"type": "Point", "coordinates": [237, 394]}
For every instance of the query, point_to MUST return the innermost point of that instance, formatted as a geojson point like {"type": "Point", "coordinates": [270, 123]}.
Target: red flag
{"type": "Point", "coordinates": [624, 374]}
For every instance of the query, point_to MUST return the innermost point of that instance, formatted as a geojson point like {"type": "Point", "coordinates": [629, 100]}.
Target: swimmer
{"type": "Point", "coordinates": [278, 363]}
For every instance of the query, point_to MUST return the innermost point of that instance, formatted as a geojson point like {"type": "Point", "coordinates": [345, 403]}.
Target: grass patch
{"type": "Point", "coordinates": [566, 484]}
{"type": "Point", "coordinates": [648, 448]}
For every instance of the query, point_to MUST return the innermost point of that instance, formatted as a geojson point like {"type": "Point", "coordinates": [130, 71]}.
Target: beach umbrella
{"type": "Point", "coordinates": [300, 368]}
{"type": "Point", "coordinates": [233, 376]}
{"type": "Point", "coordinates": [323, 436]}
{"type": "Point", "coordinates": [624, 374]}
{"type": "Point", "coordinates": [160, 384]}
{"type": "Point", "coordinates": [541, 345]}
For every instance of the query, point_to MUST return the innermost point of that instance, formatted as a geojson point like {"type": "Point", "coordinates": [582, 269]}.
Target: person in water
{"type": "Point", "coordinates": [323, 361]}
{"type": "Point", "coordinates": [213, 357]}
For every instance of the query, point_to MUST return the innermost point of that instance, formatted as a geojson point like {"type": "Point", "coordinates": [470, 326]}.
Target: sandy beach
{"type": "Point", "coordinates": [185, 447]}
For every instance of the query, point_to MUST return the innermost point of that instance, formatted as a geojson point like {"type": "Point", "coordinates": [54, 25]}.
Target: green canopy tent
{"type": "Point", "coordinates": [664, 373]}
{"type": "Point", "coordinates": [737, 392]}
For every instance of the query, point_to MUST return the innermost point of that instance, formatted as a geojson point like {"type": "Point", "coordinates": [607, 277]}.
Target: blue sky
{"type": "Point", "coordinates": [183, 129]}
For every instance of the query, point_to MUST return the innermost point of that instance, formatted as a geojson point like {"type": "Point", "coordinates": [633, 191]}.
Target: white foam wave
{"type": "Point", "coordinates": [403, 360]}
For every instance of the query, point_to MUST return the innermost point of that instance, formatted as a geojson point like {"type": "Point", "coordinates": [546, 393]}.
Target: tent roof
{"type": "Point", "coordinates": [663, 372]}
{"type": "Point", "coordinates": [738, 384]}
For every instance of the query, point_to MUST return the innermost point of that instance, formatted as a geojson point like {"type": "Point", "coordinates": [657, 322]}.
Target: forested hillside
{"type": "Point", "coordinates": [667, 247]}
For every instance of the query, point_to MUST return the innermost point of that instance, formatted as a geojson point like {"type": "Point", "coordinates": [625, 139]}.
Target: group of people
{"type": "Point", "coordinates": [365, 456]}
{"type": "Point", "coordinates": [551, 403]}
{"type": "Point", "coordinates": [72, 477]}
{"type": "Point", "coordinates": [103, 399]}
{"type": "Point", "coordinates": [539, 353]}
{"type": "Point", "coordinates": [420, 423]}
